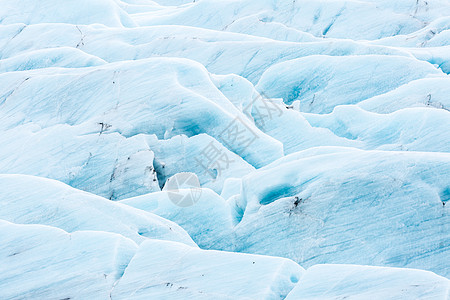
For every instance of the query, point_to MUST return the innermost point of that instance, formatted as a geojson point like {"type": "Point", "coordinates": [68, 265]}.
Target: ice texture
{"type": "Point", "coordinates": [224, 149]}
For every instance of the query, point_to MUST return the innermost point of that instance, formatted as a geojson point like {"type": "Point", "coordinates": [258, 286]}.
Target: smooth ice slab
{"type": "Point", "coordinates": [34, 200]}
{"type": "Point", "coordinates": [341, 19]}
{"type": "Point", "coordinates": [105, 12]}
{"type": "Point", "coordinates": [42, 262]}
{"type": "Point", "coordinates": [364, 282]}
{"type": "Point", "coordinates": [86, 157]}
{"type": "Point", "coordinates": [396, 131]}
{"type": "Point", "coordinates": [201, 154]}
{"type": "Point", "coordinates": [340, 205]}
{"type": "Point", "coordinates": [428, 92]}
{"type": "Point", "coordinates": [127, 98]}
{"type": "Point", "coordinates": [175, 271]}
{"type": "Point", "coordinates": [220, 52]}
{"type": "Point", "coordinates": [322, 82]}
{"type": "Point", "coordinates": [208, 220]}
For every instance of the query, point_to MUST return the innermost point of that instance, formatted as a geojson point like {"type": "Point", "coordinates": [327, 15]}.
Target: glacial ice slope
{"type": "Point", "coordinates": [49, 257]}
{"type": "Point", "coordinates": [44, 58]}
{"type": "Point", "coordinates": [70, 11]}
{"type": "Point", "coordinates": [409, 129]}
{"type": "Point", "coordinates": [182, 272]}
{"type": "Point", "coordinates": [362, 282]}
{"type": "Point", "coordinates": [129, 100]}
{"type": "Point", "coordinates": [114, 97]}
{"type": "Point", "coordinates": [209, 222]}
{"type": "Point", "coordinates": [108, 165]}
{"type": "Point", "coordinates": [341, 19]}
{"type": "Point", "coordinates": [111, 165]}
{"type": "Point", "coordinates": [323, 82]}
{"type": "Point", "coordinates": [217, 51]}
{"type": "Point", "coordinates": [183, 154]}
{"type": "Point", "coordinates": [350, 206]}
{"type": "Point", "coordinates": [318, 206]}
{"type": "Point", "coordinates": [427, 92]}
{"type": "Point", "coordinates": [43, 262]}
{"type": "Point", "coordinates": [34, 200]}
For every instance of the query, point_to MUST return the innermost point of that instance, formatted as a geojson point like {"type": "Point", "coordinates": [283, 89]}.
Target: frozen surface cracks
{"type": "Point", "coordinates": [318, 132]}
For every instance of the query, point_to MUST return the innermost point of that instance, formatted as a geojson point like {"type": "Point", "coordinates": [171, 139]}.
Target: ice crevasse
{"type": "Point", "coordinates": [211, 149]}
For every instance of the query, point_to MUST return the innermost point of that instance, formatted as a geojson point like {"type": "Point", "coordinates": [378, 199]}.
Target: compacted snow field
{"type": "Point", "coordinates": [224, 149]}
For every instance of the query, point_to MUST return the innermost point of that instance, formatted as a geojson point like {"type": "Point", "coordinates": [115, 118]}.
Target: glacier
{"type": "Point", "coordinates": [224, 149]}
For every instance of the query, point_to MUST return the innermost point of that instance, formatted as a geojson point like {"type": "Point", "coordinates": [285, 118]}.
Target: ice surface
{"type": "Point", "coordinates": [395, 131]}
{"type": "Point", "coordinates": [44, 58]}
{"type": "Point", "coordinates": [209, 221]}
{"type": "Point", "coordinates": [363, 282]}
{"type": "Point", "coordinates": [129, 100]}
{"type": "Point", "coordinates": [342, 19]}
{"type": "Point", "coordinates": [320, 208]}
{"type": "Point", "coordinates": [183, 154]}
{"type": "Point", "coordinates": [316, 133]}
{"type": "Point", "coordinates": [42, 262]}
{"type": "Point", "coordinates": [85, 157]}
{"type": "Point", "coordinates": [217, 51]}
{"type": "Point", "coordinates": [47, 262]}
{"type": "Point", "coordinates": [428, 92]}
{"type": "Point", "coordinates": [182, 272]}
{"type": "Point", "coordinates": [431, 35]}
{"type": "Point", "coordinates": [350, 206]}
{"type": "Point", "coordinates": [323, 82]}
{"type": "Point", "coordinates": [33, 200]}
{"type": "Point", "coordinates": [105, 12]}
